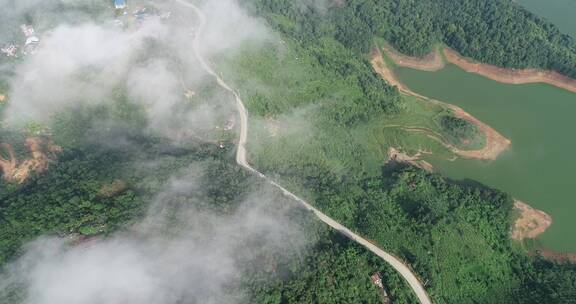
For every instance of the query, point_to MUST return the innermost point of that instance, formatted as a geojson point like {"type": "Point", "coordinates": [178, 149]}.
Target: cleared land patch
{"type": "Point", "coordinates": [14, 170]}
{"type": "Point", "coordinates": [531, 222]}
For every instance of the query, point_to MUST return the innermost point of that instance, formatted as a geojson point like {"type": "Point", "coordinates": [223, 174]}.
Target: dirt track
{"type": "Point", "coordinates": [241, 159]}
{"type": "Point", "coordinates": [495, 142]}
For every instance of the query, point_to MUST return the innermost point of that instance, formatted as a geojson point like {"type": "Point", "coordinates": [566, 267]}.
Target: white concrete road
{"type": "Point", "coordinates": [402, 268]}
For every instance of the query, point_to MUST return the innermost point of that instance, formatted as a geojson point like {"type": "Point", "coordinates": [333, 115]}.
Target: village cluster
{"type": "Point", "coordinates": [29, 46]}
{"type": "Point", "coordinates": [30, 40]}
{"type": "Point", "coordinates": [139, 14]}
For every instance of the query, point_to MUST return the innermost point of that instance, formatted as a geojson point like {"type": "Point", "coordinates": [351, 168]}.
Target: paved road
{"type": "Point", "coordinates": [404, 271]}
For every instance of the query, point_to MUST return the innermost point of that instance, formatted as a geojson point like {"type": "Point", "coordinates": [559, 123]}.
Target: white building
{"type": "Point", "coordinates": [120, 4]}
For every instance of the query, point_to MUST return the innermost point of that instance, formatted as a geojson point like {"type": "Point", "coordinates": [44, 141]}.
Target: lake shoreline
{"type": "Point", "coordinates": [531, 222]}
{"type": "Point", "coordinates": [503, 75]}
{"type": "Point", "coordinates": [496, 143]}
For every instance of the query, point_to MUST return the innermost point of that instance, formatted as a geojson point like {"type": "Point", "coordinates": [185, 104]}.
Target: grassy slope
{"type": "Point", "coordinates": [298, 89]}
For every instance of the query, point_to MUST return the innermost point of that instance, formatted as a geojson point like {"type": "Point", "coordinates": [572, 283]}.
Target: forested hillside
{"type": "Point", "coordinates": [95, 191]}
{"type": "Point", "coordinates": [457, 237]}
{"type": "Point", "coordinates": [498, 32]}
{"type": "Point", "coordinates": [327, 142]}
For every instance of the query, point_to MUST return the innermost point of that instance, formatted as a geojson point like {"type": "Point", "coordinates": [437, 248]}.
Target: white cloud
{"type": "Point", "coordinates": [75, 64]}
{"type": "Point", "coordinates": [200, 260]}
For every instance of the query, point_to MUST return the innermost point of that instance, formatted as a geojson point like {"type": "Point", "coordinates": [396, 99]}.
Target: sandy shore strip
{"type": "Point", "coordinates": [511, 76]}
{"type": "Point", "coordinates": [434, 62]}
{"type": "Point", "coordinates": [495, 142]}
{"type": "Point", "coordinates": [385, 72]}
{"type": "Point", "coordinates": [560, 257]}
{"type": "Point", "coordinates": [431, 62]}
{"type": "Point", "coordinates": [531, 223]}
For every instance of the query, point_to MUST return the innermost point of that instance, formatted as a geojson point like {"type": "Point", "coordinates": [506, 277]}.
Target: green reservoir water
{"type": "Point", "coordinates": [560, 12]}
{"type": "Point", "coordinates": [540, 167]}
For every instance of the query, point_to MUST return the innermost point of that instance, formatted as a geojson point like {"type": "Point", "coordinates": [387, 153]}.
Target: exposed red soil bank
{"type": "Point", "coordinates": [557, 256]}
{"type": "Point", "coordinates": [511, 76]}
{"type": "Point", "coordinates": [495, 142]}
{"type": "Point", "coordinates": [18, 171]}
{"type": "Point", "coordinates": [531, 222]}
{"type": "Point", "coordinates": [380, 66]}
{"type": "Point", "coordinates": [434, 62]}
{"type": "Point", "coordinates": [431, 62]}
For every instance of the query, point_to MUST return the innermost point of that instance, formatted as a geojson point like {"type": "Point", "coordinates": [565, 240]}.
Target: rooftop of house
{"type": "Point", "coordinates": [120, 3]}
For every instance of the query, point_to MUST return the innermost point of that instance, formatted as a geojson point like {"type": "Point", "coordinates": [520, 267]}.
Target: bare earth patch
{"type": "Point", "coordinates": [18, 171]}
{"type": "Point", "coordinates": [272, 126]}
{"type": "Point", "coordinates": [112, 189]}
{"type": "Point", "coordinates": [2, 98]}
{"type": "Point", "coordinates": [560, 257]}
{"type": "Point", "coordinates": [496, 143]}
{"type": "Point", "coordinates": [531, 222]}
{"type": "Point", "coordinates": [398, 156]}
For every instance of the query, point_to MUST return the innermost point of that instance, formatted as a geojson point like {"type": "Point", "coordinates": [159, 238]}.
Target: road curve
{"type": "Point", "coordinates": [404, 271]}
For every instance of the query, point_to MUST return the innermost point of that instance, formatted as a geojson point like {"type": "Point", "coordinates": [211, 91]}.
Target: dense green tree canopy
{"type": "Point", "coordinates": [498, 32]}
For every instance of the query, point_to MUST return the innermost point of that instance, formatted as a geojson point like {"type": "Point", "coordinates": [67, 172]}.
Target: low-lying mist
{"type": "Point", "coordinates": [151, 58]}
{"type": "Point", "coordinates": [182, 251]}
{"type": "Point", "coordinates": [179, 253]}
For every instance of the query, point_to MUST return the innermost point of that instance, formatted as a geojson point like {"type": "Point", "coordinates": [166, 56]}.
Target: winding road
{"type": "Point", "coordinates": [402, 268]}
